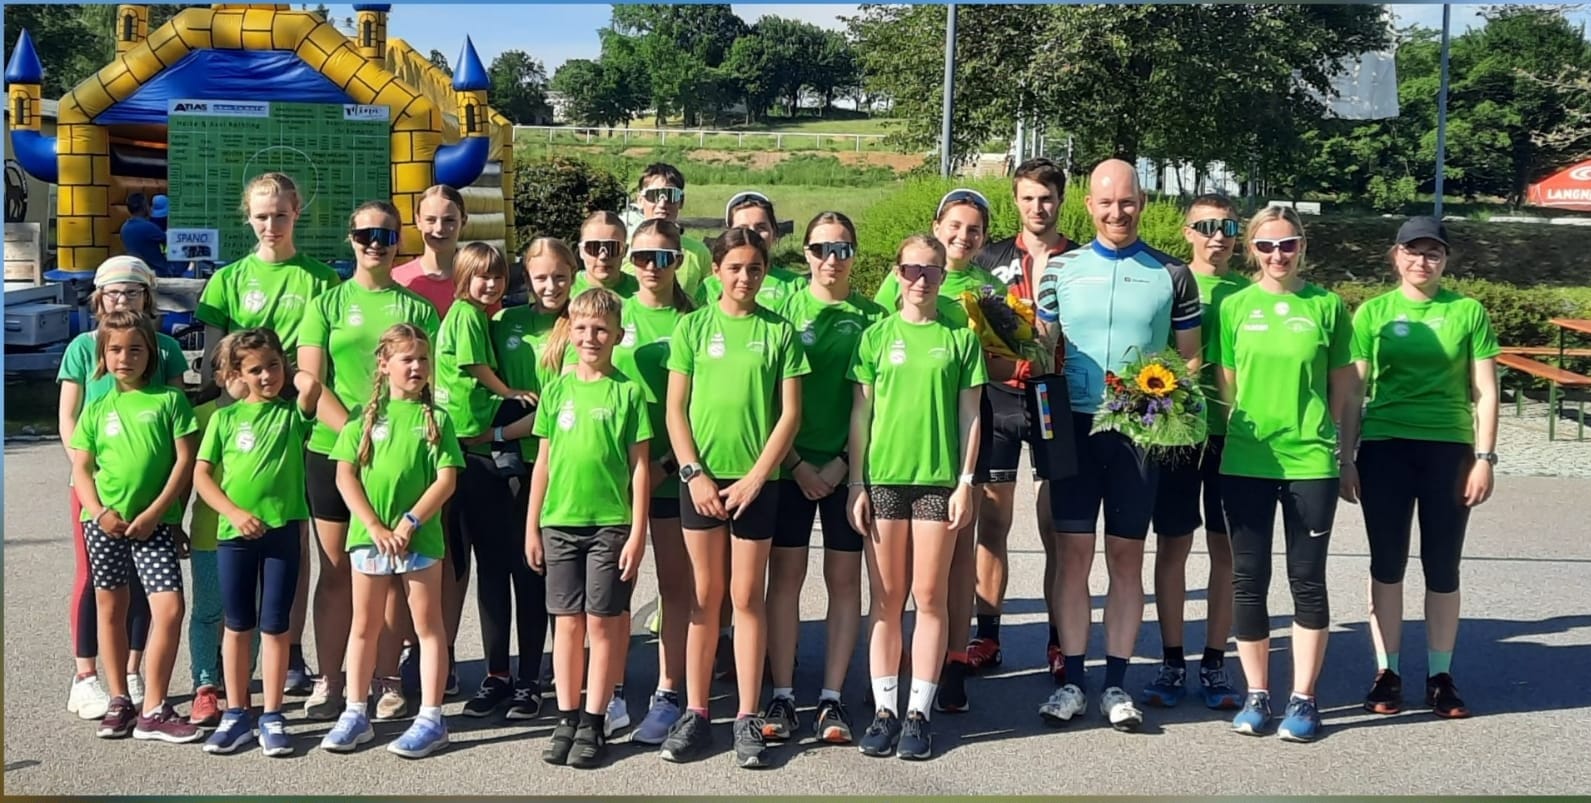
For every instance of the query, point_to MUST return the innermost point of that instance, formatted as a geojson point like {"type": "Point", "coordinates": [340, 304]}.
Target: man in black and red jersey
{"type": "Point", "coordinates": [1027, 408]}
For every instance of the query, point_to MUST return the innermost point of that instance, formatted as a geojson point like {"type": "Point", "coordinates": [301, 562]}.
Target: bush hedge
{"type": "Point", "coordinates": [553, 195]}
{"type": "Point", "coordinates": [1520, 315]}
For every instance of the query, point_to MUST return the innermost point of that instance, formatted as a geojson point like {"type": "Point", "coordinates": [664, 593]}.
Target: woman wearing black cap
{"type": "Point", "coordinates": [1425, 354]}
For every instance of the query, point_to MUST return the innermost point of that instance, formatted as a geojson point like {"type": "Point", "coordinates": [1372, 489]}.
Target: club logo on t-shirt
{"type": "Point", "coordinates": [1401, 328]}
{"type": "Point", "coordinates": [847, 326]}
{"type": "Point", "coordinates": [809, 335]}
{"type": "Point", "coordinates": [897, 352]}
{"type": "Point", "coordinates": [441, 395]}
{"type": "Point", "coordinates": [939, 354]}
{"type": "Point", "coordinates": [756, 346]}
{"type": "Point", "coordinates": [113, 424]}
{"type": "Point", "coordinates": [1282, 308]}
{"type": "Point", "coordinates": [512, 342]}
{"type": "Point", "coordinates": [1299, 325]}
{"type": "Point", "coordinates": [254, 300]}
{"type": "Point", "coordinates": [290, 301]}
{"type": "Point", "coordinates": [629, 337]}
{"type": "Point", "coordinates": [600, 413]}
{"type": "Point", "coordinates": [715, 347]}
{"type": "Point", "coordinates": [355, 315]}
{"type": "Point", "coordinates": [245, 439]}
{"type": "Point", "coordinates": [566, 416]}
{"type": "Point", "coordinates": [380, 430]}
{"type": "Point", "coordinates": [148, 416]}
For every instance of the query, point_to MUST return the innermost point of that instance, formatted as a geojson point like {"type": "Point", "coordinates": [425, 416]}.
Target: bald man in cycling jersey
{"type": "Point", "coordinates": [1030, 408]}
{"type": "Point", "coordinates": [1113, 299]}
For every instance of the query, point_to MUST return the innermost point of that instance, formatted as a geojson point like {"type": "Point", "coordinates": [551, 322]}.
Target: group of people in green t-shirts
{"type": "Point", "coordinates": [716, 406]}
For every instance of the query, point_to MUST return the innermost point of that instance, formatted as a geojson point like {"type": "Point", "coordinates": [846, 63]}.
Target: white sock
{"type": "Point", "coordinates": [884, 693]}
{"type": "Point", "coordinates": [922, 697]}
{"type": "Point", "coordinates": [358, 708]}
{"type": "Point", "coordinates": [786, 692]}
{"type": "Point", "coordinates": [829, 694]}
{"type": "Point", "coordinates": [432, 713]}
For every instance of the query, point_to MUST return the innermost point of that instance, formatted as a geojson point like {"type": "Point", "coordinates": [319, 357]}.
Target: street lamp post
{"type": "Point", "coordinates": [1441, 113]}
{"type": "Point", "coordinates": [950, 90]}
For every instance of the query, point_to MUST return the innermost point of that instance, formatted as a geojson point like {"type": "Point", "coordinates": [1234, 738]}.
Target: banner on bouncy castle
{"type": "Point", "coordinates": [338, 155]}
{"type": "Point", "coordinates": [1569, 188]}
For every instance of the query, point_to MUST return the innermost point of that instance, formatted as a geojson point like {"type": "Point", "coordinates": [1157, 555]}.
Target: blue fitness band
{"type": "Point", "coordinates": [413, 520]}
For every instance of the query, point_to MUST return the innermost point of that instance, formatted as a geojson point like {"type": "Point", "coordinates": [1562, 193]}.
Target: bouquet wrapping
{"type": "Point", "coordinates": [1005, 326]}
{"type": "Point", "coordinates": [1155, 401]}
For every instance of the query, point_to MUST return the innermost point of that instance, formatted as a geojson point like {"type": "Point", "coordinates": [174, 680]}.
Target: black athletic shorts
{"type": "Point", "coordinates": [1029, 416]}
{"type": "Point", "coordinates": [583, 570]}
{"type": "Point", "coordinates": [320, 486]}
{"type": "Point", "coordinates": [757, 522]}
{"type": "Point", "coordinates": [796, 512]}
{"type": "Point", "coordinates": [664, 507]}
{"type": "Point", "coordinates": [1113, 472]}
{"type": "Point", "coordinates": [1187, 477]}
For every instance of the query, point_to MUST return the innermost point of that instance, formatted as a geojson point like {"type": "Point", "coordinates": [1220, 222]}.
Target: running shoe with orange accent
{"type": "Point", "coordinates": [984, 653]}
{"type": "Point", "coordinates": [1386, 696]}
{"type": "Point", "coordinates": [1443, 699]}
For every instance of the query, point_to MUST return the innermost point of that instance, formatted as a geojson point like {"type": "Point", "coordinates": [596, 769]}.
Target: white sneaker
{"type": "Point", "coordinates": [618, 717]}
{"type": "Point", "coordinates": [1066, 702]}
{"type": "Point", "coordinates": [135, 690]}
{"type": "Point", "coordinates": [1117, 706]}
{"type": "Point", "coordinates": [88, 699]}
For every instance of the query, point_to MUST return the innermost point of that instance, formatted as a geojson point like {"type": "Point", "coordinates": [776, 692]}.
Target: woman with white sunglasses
{"type": "Point", "coordinates": [602, 251]}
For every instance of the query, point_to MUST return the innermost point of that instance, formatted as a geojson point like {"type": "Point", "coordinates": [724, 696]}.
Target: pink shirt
{"type": "Point", "coordinates": [436, 290]}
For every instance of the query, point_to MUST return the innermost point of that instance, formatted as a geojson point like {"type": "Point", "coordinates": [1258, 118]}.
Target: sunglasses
{"type": "Point", "coordinates": [1287, 245]}
{"type": "Point", "coordinates": [385, 238]}
{"type": "Point", "coordinates": [658, 258]}
{"type": "Point", "coordinates": [962, 196]}
{"type": "Point", "coordinates": [935, 274]}
{"type": "Point", "coordinates": [1209, 226]}
{"type": "Point", "coordinates": [839, 250]}
{"type": "Point", "coordinates": [659, 195]}
{"type": "Point", "coordinates": [597, 247]}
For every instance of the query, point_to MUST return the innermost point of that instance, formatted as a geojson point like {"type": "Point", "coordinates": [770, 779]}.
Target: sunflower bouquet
{"type": "Point", "coordinates": [1156, 402]}
{"type": "Point", "coordinates": [1005, 327]}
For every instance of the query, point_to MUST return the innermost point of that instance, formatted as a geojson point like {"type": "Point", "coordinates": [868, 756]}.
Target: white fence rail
{"type": "Point", "coordinates": [703, 137]}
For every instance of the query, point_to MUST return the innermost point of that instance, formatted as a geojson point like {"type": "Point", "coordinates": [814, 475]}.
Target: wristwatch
{"type": "Point", "coordinates": [1490, 457]}
{"type": "Point", "coordinates": [690, 471]}
{"type": "Point", "coordinates": [967, 479]}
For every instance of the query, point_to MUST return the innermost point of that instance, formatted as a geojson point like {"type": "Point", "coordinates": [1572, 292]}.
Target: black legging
{"type": "Point", "coordinates": [492, 518]}
{"type": "Point", "coordinates": [1394, 476]}
{"type": "Point", "coordinates": [1308, 508]}
{"type": "Point", "coordinates": [87, 630]}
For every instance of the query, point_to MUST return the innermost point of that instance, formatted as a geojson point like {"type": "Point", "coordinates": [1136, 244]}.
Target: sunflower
{"type": "Point", "coordinates": [1155, 380]}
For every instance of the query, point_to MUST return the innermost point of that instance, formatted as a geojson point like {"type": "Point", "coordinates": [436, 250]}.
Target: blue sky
{"type": "Point", "coordinates": [557, 33]}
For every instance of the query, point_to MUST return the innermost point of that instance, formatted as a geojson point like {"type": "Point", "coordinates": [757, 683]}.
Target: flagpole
{"type": "Point", "coordinates": [950, 90]}
{"type": "Point", "coordinates": [1441, 112]}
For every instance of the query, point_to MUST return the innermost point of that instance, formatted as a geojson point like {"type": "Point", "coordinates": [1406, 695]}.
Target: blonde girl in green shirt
{"type": "Point", "coordinates": [398, 462]}
{"type": "Point", "coordinates": [132, 467]}
{"type": "Point", "coordinates": [1428, 356]}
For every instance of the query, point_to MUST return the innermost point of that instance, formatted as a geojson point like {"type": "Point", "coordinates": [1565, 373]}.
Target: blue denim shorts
{"type": "Point", "coordinates": [370, 560]}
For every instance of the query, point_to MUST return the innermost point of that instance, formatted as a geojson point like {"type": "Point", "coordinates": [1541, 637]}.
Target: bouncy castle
{"type": "Point", "coordinates": [111, 131]}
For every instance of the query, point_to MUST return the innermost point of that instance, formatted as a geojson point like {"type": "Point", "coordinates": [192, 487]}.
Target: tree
{"type": "Point", "coordinates": [519, 88]}
{"type": "Point", "coordinates": [439, 60]}
{"type": "Point", "coordinates": [835, 69]}
{"type": "Point", "coordinates": [753, 64]}
{"type": "Point", "coordinates": [73, 41]}
{"type": "Point", "coordinates": [681, 46]}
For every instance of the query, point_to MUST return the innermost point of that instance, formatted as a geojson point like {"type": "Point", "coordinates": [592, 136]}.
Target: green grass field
{"type": "Point", "coordinates": [794, 203]}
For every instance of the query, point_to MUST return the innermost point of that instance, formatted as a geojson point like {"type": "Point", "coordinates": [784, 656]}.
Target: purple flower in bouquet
{"type": "Point", "coordinates": [1149, 418]}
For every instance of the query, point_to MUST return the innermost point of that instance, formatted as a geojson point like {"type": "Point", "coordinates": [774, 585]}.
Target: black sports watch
{"type": "Point", "coordinates": [1490, 457]}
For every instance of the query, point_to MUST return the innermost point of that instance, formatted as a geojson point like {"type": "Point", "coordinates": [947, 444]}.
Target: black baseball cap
{"type": "Point", "coordinates": [1422, 228]}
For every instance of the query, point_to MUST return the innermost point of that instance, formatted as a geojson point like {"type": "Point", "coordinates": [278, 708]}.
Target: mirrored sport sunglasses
{"type": "Point", "coordinates": [935, 274]}
{"type": "Point", "coordinates": [1209, 226]}
{"type": "Point", "coordinates": [597, 247]}
{"type": "Point", "coordinates": [659, 258]}
{"type": "Point", "coordinates": [385, 238]}
{"type": "Point", "coordinates": [839, 250]}
{"type": "Point", "coordinates": [956, 196]}
{"type": "Point", "coordinates": [659, 195]}
{"type": "Point", "coordinates": [1287, 245]}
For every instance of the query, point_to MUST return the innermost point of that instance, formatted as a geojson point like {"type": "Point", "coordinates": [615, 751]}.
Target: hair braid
{"type": "Point", "coordinates": [378, 398]}
{"type": "Point", "coordinates": [433, 433]}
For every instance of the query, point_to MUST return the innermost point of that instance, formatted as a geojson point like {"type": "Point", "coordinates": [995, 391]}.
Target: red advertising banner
{"type": "Point", "coordinates": [1567, 189]}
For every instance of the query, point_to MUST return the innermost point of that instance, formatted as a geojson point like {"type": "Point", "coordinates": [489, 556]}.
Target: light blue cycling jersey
{"type": "Point", "coordinates": [1114, 306]}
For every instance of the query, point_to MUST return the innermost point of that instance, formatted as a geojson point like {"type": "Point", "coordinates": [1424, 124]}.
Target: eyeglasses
{"type": "Point", "coordinates": [658, 258]}
{"type": "Point", "coordinates": [1209, 226]}
{"type": "Point", "coordinates": [839, 250]}
{"type": "Point", "coordinates": [385, 238]}
{"type": "Point", "coordinates": [1428, 256]}
{"type": "Point", "coordinates": [935, 274]}
{"type": "Point", "coordinates": [659, 195]}
{"type": "Point", "coordinates": [596, 248]}
{"type": "Point", "coordinates": [128, 295]}
{"type": "Point", "coordinates": [962, 196]}
{"type": "Point", "coordinates": [1287, 245]}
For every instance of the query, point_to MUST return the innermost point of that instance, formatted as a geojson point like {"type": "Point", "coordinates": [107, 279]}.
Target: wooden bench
{"type": "Point", "coordinates": [1557, 378]}
{"type": "Point", "coordinates": [1546, 351]}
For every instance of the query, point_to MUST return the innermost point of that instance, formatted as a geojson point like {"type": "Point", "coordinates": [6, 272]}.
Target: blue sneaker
{"type": "Point", "coordinates": [274, 738]}
{"type": "Point", "coordinates": [1302, 723]}
{"type": "Point", "coordinates": [352, 729]}
{"type": "Point", "coordinates": [1255, 718]}
{"type": "Point", "coordinates": [423, 738]}
{"type": "Point", "coordinates": [300, 681]}
{"type": "Point", "coordinates": [659, 718]}
{"type": "Point", "coordinates": [233, 732]}
{"type": "Point", "coordinates": [1168, 688]}
{"type": "Point", "coordinates": [1218, 692]}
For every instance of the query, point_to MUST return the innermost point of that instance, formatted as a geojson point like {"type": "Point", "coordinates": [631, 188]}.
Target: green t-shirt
{"type": "Point", "coordinates": [1283, 349]}
{"type": "Point", "coordinates": [642, 355]}
{"type": "Point", "coordinates": [628, 285]}
{"type": "Point", "coordinates": [736, 366]}
{"type": "Point", "coordinates": [261, 447]}
{"type": "Point", "coordinates": [466, 340]}
{"type": "Point", "coordinates": [133, 436]}
{"type": "Point", "coordinates": [1421, 354]}
{"type": "Point", "coordinates": [779, 284]}
{"type": "Point", "coordinates": [403, 464]}
{"type": "Point", "coordinates": [829, 334]}
{"type": "Point", "coordinates": [590, 427]}
{"type": "Point", "coordinates": [1213, 290]}
{"type": "Point", "coordinates": [79, 362]}
{"type": "Point", "coordinates": [518, 335]}
{"type": "Point", "coordinates": [693, 270]}
{"type": "Point", "coordinates": [917, 371]}
{"type": "Point", "coordinates": [347, 324]}
{"type": "Point", "coordinates": [252, 293]}
{"type": "Point", "coordinates": [973, 277]}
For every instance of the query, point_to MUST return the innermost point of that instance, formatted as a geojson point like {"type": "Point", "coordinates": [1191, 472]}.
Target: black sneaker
{"type": "Point", "coordinates": [832, 723]}
{"type": "Point", "coordinates": [780, 722]}
{"type": "Point", "coordinates": [1442, 697]}
{"type": "Point", "coordinates": [688, 740]}
{"type": "Point", "coordinates": [916, 738]}
{"type": "Point", "coordinates": [563, 740]}
{"type": "Point", "coordinates": [526, 703]}
{"type": "Point", "coordinates": [952, 696]}
{"type": "Point", "coordinates": [1386, 696]}
{"type": "Point", "coordinates": [494, 691]}
{"type": "Point", "coordinates": [587, 751]}
{"type": "Point", "coordinates": [880, 737]}
{"type": "Point", "coordinates": [749, 744]}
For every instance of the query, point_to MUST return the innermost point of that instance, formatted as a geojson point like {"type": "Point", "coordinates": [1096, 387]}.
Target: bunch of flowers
{"type": "Point", "coordinates": [1156, 402]}
{"type": "Point", "coordinates": [1005, 326]}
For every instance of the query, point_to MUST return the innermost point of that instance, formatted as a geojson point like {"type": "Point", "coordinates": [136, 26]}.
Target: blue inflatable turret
{"type": "Point", "coordinates": [25, 78]}
{"type": "Point", "coordinates": [459, 164]}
